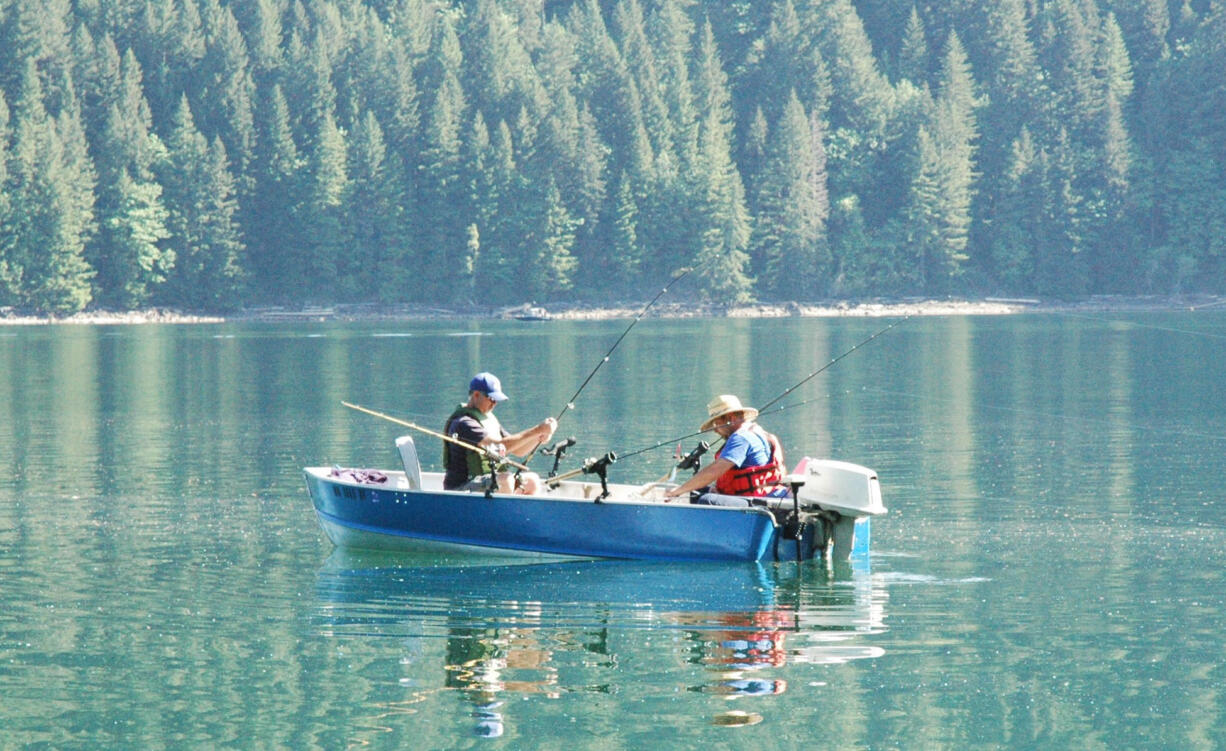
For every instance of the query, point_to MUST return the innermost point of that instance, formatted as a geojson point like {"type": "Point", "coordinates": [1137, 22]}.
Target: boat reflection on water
{"type": "Point", "coordinates": [500, 629]}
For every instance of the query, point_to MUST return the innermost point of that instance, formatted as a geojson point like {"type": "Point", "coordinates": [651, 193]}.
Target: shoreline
{"type": "Point", "coordinates": [582, 312]}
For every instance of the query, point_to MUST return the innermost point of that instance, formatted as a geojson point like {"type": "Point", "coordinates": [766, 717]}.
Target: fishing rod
{"type": "Point", "coordinates": [764, 408]}
{"type": "Point", "coordinates": [815, 373]}
{"type": "Point", "coordinates": [682, 439]}
{"type": "Point", "coordinates": [493, 455]}
{"type": "Point", "coordinates": [570, 403]}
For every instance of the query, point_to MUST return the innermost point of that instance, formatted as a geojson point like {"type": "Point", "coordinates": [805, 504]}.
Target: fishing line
{"type": "Point", "coordinates": [815, 373]}
{"type": "Point", "coordinates": [1053, 415]}
{"type": "Point", "coordinates": [570, 403]}
{"type": "Point", "coordinates": [761, 413]}
{"type": "Point", "coordinates": [765, 409]}
{"type": "Point", "coordinates": [1150, 326]}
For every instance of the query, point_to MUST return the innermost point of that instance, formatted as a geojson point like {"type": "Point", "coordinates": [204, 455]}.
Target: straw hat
{"type": "Point", "coordinates": [726, 404]}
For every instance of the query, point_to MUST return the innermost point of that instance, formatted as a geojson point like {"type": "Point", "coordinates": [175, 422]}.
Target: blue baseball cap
{"type": "Point", "coordinates": [488, 384]}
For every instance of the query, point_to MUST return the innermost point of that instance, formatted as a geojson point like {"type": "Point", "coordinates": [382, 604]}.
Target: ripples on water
{"type": "Point", "coordinates": [601, 628]}
{"type": "Point", "coordinates": [1048, 575]}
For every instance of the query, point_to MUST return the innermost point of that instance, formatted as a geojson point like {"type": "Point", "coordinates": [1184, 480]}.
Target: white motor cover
{"type": "Point", "coordinates": [847, 488]}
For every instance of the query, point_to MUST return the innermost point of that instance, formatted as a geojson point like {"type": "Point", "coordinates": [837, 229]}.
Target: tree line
{"type": "Point", "coordinates": [210, 155]}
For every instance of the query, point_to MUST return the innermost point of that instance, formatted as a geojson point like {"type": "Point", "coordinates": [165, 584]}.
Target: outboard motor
{"type": "Point", "coordinates": [844, 497]}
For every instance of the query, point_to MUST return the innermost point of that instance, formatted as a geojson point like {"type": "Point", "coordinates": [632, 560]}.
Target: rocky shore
{"type": "Point", "coordinates": [577, 311]}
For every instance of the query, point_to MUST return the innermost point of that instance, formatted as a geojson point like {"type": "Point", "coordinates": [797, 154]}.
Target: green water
{"type": "Point", "coordinates": [1049, 574]}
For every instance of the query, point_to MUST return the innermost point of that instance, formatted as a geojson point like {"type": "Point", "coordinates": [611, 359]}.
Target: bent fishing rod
{"type": "Point", "coordinates": [763, 410]}
{"type": "Point", "coordinates": [570, 403]}
{"type": "Point", "coordinates": [494, 456]}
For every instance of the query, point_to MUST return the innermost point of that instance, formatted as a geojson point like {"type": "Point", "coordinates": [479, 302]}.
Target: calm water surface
{"type": "Point", "coordinates": [1049, 574]}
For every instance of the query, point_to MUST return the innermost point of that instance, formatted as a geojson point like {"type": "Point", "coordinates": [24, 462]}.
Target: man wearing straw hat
{"type": "Point", "coordinates": [749, 464]}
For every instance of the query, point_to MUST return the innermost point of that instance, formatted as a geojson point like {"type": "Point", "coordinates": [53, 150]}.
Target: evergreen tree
{"type": "Point", "coordinates": [1145, 25]}
{"type": "Point", "coordinates": [861, 119]}
{"type": "Point", "coordinates": [378, 262]}
{"type": "Point", "coordinates": [1018, 223]}
{"type": "Point", "coordinates": [1061, 265]}
{"type": "Point", "coordinates": [171, 48]}
{"type": "Point", "coordinates": [612, 95]}
{"type": "Point", "coordinates": [133, 229]}
{"type": "Point", "coordinates": [624, 250]}
{"type": "Point", "coordinates": [724, 219]}
{"type": "Point", "coordinates": [49, 220]}
{"type": "Point", "coordinates": [498, 72]}
{"type": "Point", "coordinates": [787, 60]}
{"type": "Point", "coordinates": [1187, 116]}
{"type": "Point", "coordinates": [260, 22]}
{"type": "Point", "coordinates": [955, 134]}
{"type": "Point", "coordinates": [37, 30]}
{"type": "Point", "coordinates": [753, 162]}
{"type": "Point", "coordinates": [864, 99]}
{"type": "Point", "coordinates": [444, 214]}
{"type": "Point", "coordinates": [669, 31]}
{"type": "Point", "coordinates": [492, 267]}
{"type": "Point", "coordinates": [630, 26]}
{"type": "Point", "coordinates": [922, 217]}
{"type": "Point", "coordinates": [550, 270]}
{"type": "Point", "coordinates": [128, 253]}
{"type": "Point", "coordinates": [913, 56]}
{"type": "Point", "coordinates": [203, 233]}
{"type": "Point", "coordinates": [97, 72]}
{"type": "Point", "coordinates": [790, 244]}
{"type": "Point", "coordinates": [276, 200]}
{"type": "Point", "coordinates": [588, 190]}
{"type": "Point", "coordinates": [1112, 64]}
{"type": "Point", "coordinates": [885, 22]}
{"type": "Point", "coordinates": [1017, 99]}
{"type": "Point", "coordinates": [1107, 180]}
{"type": "Point", "coordinates": [1068, 55]}
{"type": "Point", "coordinates": [225, 79]}
{"type": "Point", "coordinates": [486, 178]}
{"type": "Point", "coordinates": [324, 215]}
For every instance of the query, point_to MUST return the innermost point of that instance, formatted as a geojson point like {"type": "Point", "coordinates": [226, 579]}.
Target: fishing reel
{"type": "Point", "coordinates": [557, 451]}
{"type": "Point", "coordinates": [693, 460]}
{"type": "Point", "coordinates": [599, 466]}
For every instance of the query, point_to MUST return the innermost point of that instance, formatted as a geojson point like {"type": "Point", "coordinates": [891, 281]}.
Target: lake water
{"type": "Point", "coordinates": [1049, 574]}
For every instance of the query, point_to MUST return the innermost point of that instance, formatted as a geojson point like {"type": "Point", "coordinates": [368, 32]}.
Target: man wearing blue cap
{"type": "Point", "coordinates": [474, 423]}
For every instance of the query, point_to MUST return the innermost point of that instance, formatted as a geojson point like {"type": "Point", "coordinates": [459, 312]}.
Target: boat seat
{"type": "Point", "coordinates": [408, 456]}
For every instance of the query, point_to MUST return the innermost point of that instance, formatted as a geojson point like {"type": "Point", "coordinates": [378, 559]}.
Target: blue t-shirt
{"type": "Point", "coordinates": [746, 448]}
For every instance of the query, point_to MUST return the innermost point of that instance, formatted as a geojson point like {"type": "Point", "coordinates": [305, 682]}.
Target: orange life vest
{"type": "Point", "coordinates": [755, 481]}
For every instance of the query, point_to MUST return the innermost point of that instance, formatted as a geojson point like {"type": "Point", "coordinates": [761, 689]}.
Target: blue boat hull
{"type": "Point", "coordinates": [366, 516]}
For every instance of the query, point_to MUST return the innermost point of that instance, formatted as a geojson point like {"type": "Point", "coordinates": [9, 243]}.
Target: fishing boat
{"type": "Point", "coordinates": [583, 515]}
{"type": "Point", "coordinates": [527, 312]}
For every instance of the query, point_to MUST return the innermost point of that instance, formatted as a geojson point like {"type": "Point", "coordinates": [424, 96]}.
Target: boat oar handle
{"type": "Point", "coordinates": [493, 455]}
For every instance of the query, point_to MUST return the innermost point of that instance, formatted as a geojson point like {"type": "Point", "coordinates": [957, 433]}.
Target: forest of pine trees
{"type": "Point", "coordinates": [209, 155]}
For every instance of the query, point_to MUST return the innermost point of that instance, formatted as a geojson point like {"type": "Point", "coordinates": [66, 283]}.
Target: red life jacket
{"type": "Point", "coordinates": [755, 481]}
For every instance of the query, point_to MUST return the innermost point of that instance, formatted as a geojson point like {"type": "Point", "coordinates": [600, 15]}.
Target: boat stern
{"type": "Point", "coordinates": [848, 495]}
